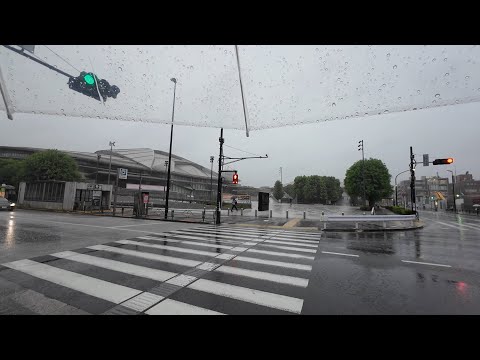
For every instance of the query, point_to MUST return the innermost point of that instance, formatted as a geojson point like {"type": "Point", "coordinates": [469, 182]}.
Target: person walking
{"type": "Point", "coordinates": [234, 204]}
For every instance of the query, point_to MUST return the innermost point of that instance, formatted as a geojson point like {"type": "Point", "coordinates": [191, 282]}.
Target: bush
{"type": "Point", "coordinates": [400, 210]}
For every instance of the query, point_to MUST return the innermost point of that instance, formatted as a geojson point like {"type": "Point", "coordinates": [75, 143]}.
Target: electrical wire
{"type": "Point", "coordinates": [231, 147]}
{"type": "Point", "coordinates": [62, 58]}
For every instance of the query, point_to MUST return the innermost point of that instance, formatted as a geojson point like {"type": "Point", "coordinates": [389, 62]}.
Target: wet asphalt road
{"type": "Point", "coordinates": [434, 270]}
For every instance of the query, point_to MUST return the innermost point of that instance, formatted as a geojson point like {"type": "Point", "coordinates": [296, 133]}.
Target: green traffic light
{"type": "Point", "coordinates": [89, 79]}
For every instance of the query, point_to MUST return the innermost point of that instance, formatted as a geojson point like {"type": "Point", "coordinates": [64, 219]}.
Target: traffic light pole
{"type": "Point", "coordinates": [219, 181]}
{"type": "Point", "coordinates": [412, 180]}
{"type": "Point", "coordinates": [170, 152]}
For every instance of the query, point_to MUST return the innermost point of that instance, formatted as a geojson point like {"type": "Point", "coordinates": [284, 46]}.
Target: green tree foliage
{"type": "Point", "coordinates": [12, 172]}
{"type": "Point", "coordinates": [290, 190]}
{"type": "Point", "coordinates": [51, 165]}
{"type": "Point", "coordinates": [278, 190]}
{"type": "Point", "coordinates": [317, 189]}
{"type": "Point", "coordinates": [377, 181]}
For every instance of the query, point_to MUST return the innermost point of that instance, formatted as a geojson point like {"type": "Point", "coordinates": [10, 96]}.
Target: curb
{"type": "Point", "coordinates": [419, 226]}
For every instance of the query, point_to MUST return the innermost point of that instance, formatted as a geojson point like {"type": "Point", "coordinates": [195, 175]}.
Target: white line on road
{"type": "Point", "coordinates": [282, 279]}
{"type": "Point", "coordinates": [85, 284]}
{"type": "Point", "coordinates": [424, 263]}
{"type": "Point", "coordinates": [173, 307]}
{"type": "Point", "coordinates": [335, 253]}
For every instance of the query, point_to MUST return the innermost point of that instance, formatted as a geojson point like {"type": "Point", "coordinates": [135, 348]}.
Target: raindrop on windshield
{"type": "Point", "coordinates": [437, 95]}
{"type": "Point", "coordinates": [394, 67]}
{"type": "Point", "coordinates": [333, 104]}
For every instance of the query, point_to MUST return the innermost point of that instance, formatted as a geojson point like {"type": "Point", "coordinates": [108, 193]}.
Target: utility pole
{"type": "Point", "coordinates": [221, 140]}
{"type": "Point", "coordinates": [412, 180]}
{"type": "Point", "coordinates": [211, 177]}
{"type": "Point", "coordinates": [360, 147]}
{"type": "Point", "coordinates": [453, 190]}
{"type": "Point", "coordinates": [166, 166]}
{"type": "Point", "coordinates": [281, 176]}
{"type": "Point", "coordinates": [112, 144]}
{"type": "Point", "coordinates": [98, 160]}
{"type": "Point", "coordinates": [170, 152]}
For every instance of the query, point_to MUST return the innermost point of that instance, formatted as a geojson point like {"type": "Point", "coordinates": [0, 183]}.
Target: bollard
{"type": "Point", "coordinates": [287, 214]}
{"type": "Point", "coordinates": [203, 215]}
{"type": "Point", "coordinates": [172, 213]}
{"type": "Point", "coordinates": [271, 213]}
{"type": "Point", "coordinates": [228, 212]}
{"type": "Point", "coordinates": [241, 212]}
{"type": "Point", "coordinates": [304, 214]}
{"type": "Point", "coordinates": [356, 226]}
{"type": "Point", "coordinates": [343, 213]}
{"type": "Point", "coordinates": [122, 210]}
{"type": "Point", "coordinates": [324, 225]}
{"type": "Point", "coordinates": [384, 224]}
{"type": "Point", "coordinates": [255, 213]}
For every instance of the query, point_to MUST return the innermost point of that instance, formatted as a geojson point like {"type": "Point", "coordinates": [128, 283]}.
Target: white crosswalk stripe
{"type": "Point", "coordinates": [253, 271]}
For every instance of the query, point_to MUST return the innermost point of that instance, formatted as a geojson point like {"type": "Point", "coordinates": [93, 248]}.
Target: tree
{"type": "Point", "coordinates": [290, 190]}
{"type": "Point", "coordinates": [377, 181]}
{"type": "Point", "coordinates": [278, 190]}
{"type": "Point", "coordinates": [51, 165]}
{"type": "Point", "coordinates": [12, 172]}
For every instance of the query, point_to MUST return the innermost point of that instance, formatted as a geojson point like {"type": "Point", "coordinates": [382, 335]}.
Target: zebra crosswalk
{"type": "Point", "coordinates": [205, 270]}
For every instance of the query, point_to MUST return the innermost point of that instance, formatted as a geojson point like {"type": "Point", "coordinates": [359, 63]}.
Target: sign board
{"type": "Point", "coordinates": [263, 201]}
{"type": "Point", "coordinates": [425, 160]}
{"type": "Point", "coordinates": [145, 198]}
{"type": "Point", "coordinates": [94, 187]}
{"type": "Point", "coordinates": [97, 194]}
{"type": "Point", "coordinates": [122, 173]}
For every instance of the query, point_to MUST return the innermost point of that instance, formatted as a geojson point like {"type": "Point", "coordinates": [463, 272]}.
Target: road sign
{"type": "Point", "coordinates": [425, 160]}
{"type": "Point", "coordinates": [122, 173]}
{"type": "Point", "coordinates": [94, 187]}
{"type": "Point", "coordinates": [145, 198]}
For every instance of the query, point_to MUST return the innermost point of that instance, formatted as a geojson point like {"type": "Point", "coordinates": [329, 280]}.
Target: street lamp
{"type": "Point", "coordinates": [396, 191]}
{"type": "Point", "coordinates": [170, 151]}
{"type": "Point", "coordinates": [166, 165]}
{"type": "Point", "coordinates": [360, 147]}
{"type": "Point", "coordinates": [112, 144]}
{"type": "Point", "coordinates": [453, 190]}
{"type": "Point", "coordinates": [98, 160]}
{"type": "Point", "coordinates": [211, 178]}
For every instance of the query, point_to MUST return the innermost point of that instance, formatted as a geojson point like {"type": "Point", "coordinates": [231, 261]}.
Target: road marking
{"type": "Point", "coordinates": [185, 242]}
{"type": "Point", "coordinates": [335, 253]}
{"type": "Point", "coordinates": [122, 226]}
{"type": "Point", "coordinates": [182, 280]}
{"type": "Point", "coordinates": [277, 253]}
{"type": "Point", "coordinates": [424, 263]}
{"type": "Point", "coordinates": [142, 271]}
{"type": "Point", "coordinates": [273, 263]}
{"type": "Point", "coordinates": [290, 243]}
{"type": "Point", "coordinates": [253, 296]}
{"type": "Point", "coordinates": [142, 302]}
{"type": "Point", "coordinates": [88, 285]}
{"type": "Point", "coordinates": [289, 248]}
{"type": "Point", "coordinates": [166, 247]}
{"type": "Point", "coordinates": [452, 226]}
{"type": "Point", "coordinates": [282, 279]}
{"type": "Point", "coordinates": [172, 307]}
{"type": "Point", "coordinates": [146, 255]}
{"type": "Point", "coordinates": [181, 236]}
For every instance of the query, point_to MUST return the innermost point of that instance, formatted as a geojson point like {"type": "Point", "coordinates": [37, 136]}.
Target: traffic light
{"type": "Point", "coordinates": [86, 83]}
{"type": "Point", "coordinates": [235, 178]}
{"type": "Point", "coordinates": [447, 161]}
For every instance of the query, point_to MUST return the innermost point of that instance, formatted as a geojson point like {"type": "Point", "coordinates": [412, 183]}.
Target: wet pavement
{"type": "Point", "coordinates": [72, 264]}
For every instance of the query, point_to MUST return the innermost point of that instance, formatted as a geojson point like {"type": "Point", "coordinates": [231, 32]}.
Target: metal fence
{"type": "Point", "coordinates": [48, 191]}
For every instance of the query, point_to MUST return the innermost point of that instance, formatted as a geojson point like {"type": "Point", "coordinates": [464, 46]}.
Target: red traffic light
{"type": "Point", "coordinates": [235, 178]}
{"type": "Point", "coordinates": [443, 161]}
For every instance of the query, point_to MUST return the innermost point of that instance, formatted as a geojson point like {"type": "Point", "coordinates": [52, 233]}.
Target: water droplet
{"type": "Point", "coordinates": [386, 112]}
{"type": "Point", "coordinates": [418, 91]}
{"type": "Point", "coordinates": [467, 77]}
{"type": "Point", "coordinates": [388, 55]}
{"type": "Point", "coordinates": [456, 101]}
{"type": "Point", "coordinates": [433, 60]}
{"type": "Point", "coordinates": [120, 68]}
{"type": "Point", "coordinates": [29, 90]}
{"type": "Point", "coordinates": [333, 104]}
{"type": "Point", "coordinates": [394, 67]}
{"type": "Point", "coordinates": [316, 49]}
{"type": "Point", "coordinates": [309, 110]}
{"type": "Point", "coordinates": [446, 74]}
{"type": "Point", "coordinates": [144, 75]}
{"type": "Point", "coordinates": [383, 85]}
{"type": "Point", "coordinates": [445, 59]}
{"type": "Point", "coordinates": [437, 95]}
{"type": "Point", "coordinates": [400, 98]}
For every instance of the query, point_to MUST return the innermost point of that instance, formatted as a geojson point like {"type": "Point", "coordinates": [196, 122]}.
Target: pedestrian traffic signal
{"type": "Point", "coordinates": [447, 161]}
{"type": "Point", "coordinates": [89, 84]}
{"type": "Point", "coordinates": [235, 178]}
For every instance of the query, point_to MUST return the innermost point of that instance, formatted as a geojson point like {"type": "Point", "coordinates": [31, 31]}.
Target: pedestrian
{"type": "Point", "coordinates": [234, 204]}
{"type": "Point", "coordinates": [373, 210]}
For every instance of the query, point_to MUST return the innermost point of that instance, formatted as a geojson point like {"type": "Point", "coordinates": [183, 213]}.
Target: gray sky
{"type": "Point", "coordinates": [284, 85]}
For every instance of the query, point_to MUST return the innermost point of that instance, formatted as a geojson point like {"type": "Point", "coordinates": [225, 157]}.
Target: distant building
{"type": "Point", "coordinates": [430, 192]}
{"type": "Point", "coordinates": [467, 192]}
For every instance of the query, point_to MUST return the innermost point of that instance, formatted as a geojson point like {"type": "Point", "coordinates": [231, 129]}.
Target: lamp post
{"type": "Point", "coordinates": [170, 151]}
{"type": "Point", "coordinates": [112, 144]}
{"type": "Point", "coordinates": [211, 176]}
{"type": "Point", "coordinates": [98, 160]}
{"type": "Point", "coordinates": [396, 190]}
{"type": "Point", "coordinates": [360, 147]}
{"type": "Point", "coordinates": [453, 190]}
{"type": "Point", "coordinates": [166, 165]}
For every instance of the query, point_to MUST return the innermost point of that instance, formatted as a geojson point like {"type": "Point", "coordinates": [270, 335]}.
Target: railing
{"type": "Point", "coordinates": [368, 218]}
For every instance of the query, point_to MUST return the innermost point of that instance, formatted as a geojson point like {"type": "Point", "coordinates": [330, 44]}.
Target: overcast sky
{"type": "Point", "coordinates": [284, 85]}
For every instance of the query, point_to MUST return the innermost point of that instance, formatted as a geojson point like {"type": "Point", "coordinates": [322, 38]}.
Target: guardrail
{"type": "Point", "coordinates": [368, 218]}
